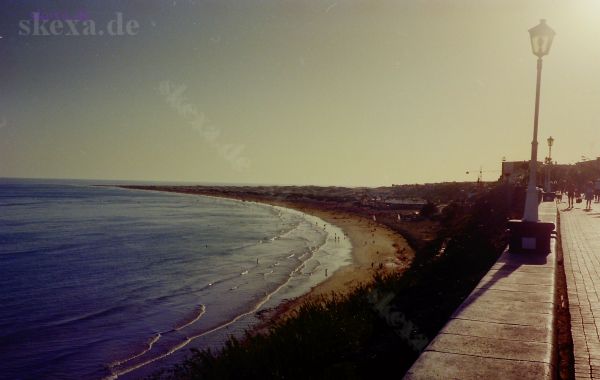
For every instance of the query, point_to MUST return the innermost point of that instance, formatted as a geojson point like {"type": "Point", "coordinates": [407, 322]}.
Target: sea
{"type": "Point", "coordinates": [101, 282]}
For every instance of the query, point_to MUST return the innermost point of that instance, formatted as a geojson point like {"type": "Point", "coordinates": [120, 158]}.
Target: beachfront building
{"type": "Point", "coordinates": [517, 172]}
{"type": "Point", "coordinates": [392, 203]}
{"type": "Point", "coordinates": [405, 204]}
{"type": "Point", "coordinates": [591, 166]}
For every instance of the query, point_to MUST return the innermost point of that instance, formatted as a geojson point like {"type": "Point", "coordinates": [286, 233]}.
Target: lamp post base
{"type": "Point", "coordinates": [530, 237]}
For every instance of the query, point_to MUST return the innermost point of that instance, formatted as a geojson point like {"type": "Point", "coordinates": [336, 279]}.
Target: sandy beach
{"type": "Point", "coordinates": [375, 247]}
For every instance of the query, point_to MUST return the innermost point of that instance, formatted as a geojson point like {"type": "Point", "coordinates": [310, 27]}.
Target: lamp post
{"type": "Point", "coordinates": [541, 40]}
{"type": "Point", "coordinates": [529, 234]}
{"type": "Point", "coordinates": [550, 141]}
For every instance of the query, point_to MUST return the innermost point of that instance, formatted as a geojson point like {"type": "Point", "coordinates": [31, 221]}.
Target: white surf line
{"type": "Point", "coordinates": [125, 371]}
{"type": "Point", "coordinates": [151, 342]}
{"type": "Point", "coordinates": [156, 338]}
{"type": "Point", "coordinates": [194, 337]}
{"type": "Point", "coordinates": [202, 311]}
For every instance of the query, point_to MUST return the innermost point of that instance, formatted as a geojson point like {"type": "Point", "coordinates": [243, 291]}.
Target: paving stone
{"type": "Point", "coordinates": [511, 286]}
{"type": "Point", "coordinates": [507, 296]}
{"type": "Point", "coordinates": [518, 277]}
{"type": "Point", "coordinates": [492, 348]}
{"type": "Point", "coordinates": [485, 313]}
{"type": "Point", "coordinates": [499, 330]}
{"type": "Point", "coordinates": [433, 365]}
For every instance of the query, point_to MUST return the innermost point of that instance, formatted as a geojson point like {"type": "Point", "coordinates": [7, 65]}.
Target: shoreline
{"type": "Point", "coordinates": [372, 243]}
{"type": "Point", "coordinates": [375, 247]}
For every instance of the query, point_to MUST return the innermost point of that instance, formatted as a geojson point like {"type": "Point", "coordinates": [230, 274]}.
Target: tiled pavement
{"type": "Point", "coordinates": [580, 234]}
{"type": "Point", "coordinates": [505, 328]}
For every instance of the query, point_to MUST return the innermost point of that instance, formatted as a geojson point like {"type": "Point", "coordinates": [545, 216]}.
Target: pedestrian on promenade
{"type": "Point", "coordinates": [597, 190]}
{"type": "Point", "coordinates": [562, 186]}
{"type": "Point", "coordinates": [589, 195]}
{"type": "Point", "coordinates": [571, 194]}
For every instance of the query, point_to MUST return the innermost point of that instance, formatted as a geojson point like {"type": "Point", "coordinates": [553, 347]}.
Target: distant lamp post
{"type": "Point", "coordinates": [548, 186]}
{"type": "Point", "coordinates": [529, 234]}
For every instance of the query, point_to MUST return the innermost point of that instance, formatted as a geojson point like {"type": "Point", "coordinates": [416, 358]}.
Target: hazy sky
{"type": "Point", "coordinates": [356, 92]}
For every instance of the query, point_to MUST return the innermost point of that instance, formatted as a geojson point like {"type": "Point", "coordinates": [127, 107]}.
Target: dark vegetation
{"type": "Point", "coordinates": [381, 328]}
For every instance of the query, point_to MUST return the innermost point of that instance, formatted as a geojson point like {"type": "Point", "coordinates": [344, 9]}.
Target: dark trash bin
{"type": "Point", "coordinates": [530, 237]}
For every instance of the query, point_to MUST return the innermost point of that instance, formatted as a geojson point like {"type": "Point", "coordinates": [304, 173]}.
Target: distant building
{"type": "Point", "coordinates": [405, 204]}
{"type": "Point", "coordinates": [517, 172]}
{"type": "Point", "coordinates": [392, 203]}
{"type": "Point", "coordinates": [593, 165]}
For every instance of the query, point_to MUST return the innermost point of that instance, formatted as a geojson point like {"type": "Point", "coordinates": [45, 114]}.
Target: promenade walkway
{"type": "Point", "coordinates": [580, 234]}
{"type": "Point", "coordinates": [505, 328]}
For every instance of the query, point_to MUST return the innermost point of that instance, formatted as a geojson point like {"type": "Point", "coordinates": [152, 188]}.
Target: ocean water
{"type": "Point", "coordinates": [105, 283]}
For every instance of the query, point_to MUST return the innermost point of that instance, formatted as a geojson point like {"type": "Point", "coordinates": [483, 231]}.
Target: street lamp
{"type": "Point", "coordinates": [541, 40]}
{"type": "Point", "coordinates": [529, 234]}
{"type": "Point", "coordinates": [550, 141]}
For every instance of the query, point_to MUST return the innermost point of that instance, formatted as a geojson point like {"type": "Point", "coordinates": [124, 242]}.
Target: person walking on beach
{"type": "Point", "coordinates": [597, 190]}
{"type": "Point", "coordinates": [589, 195]}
